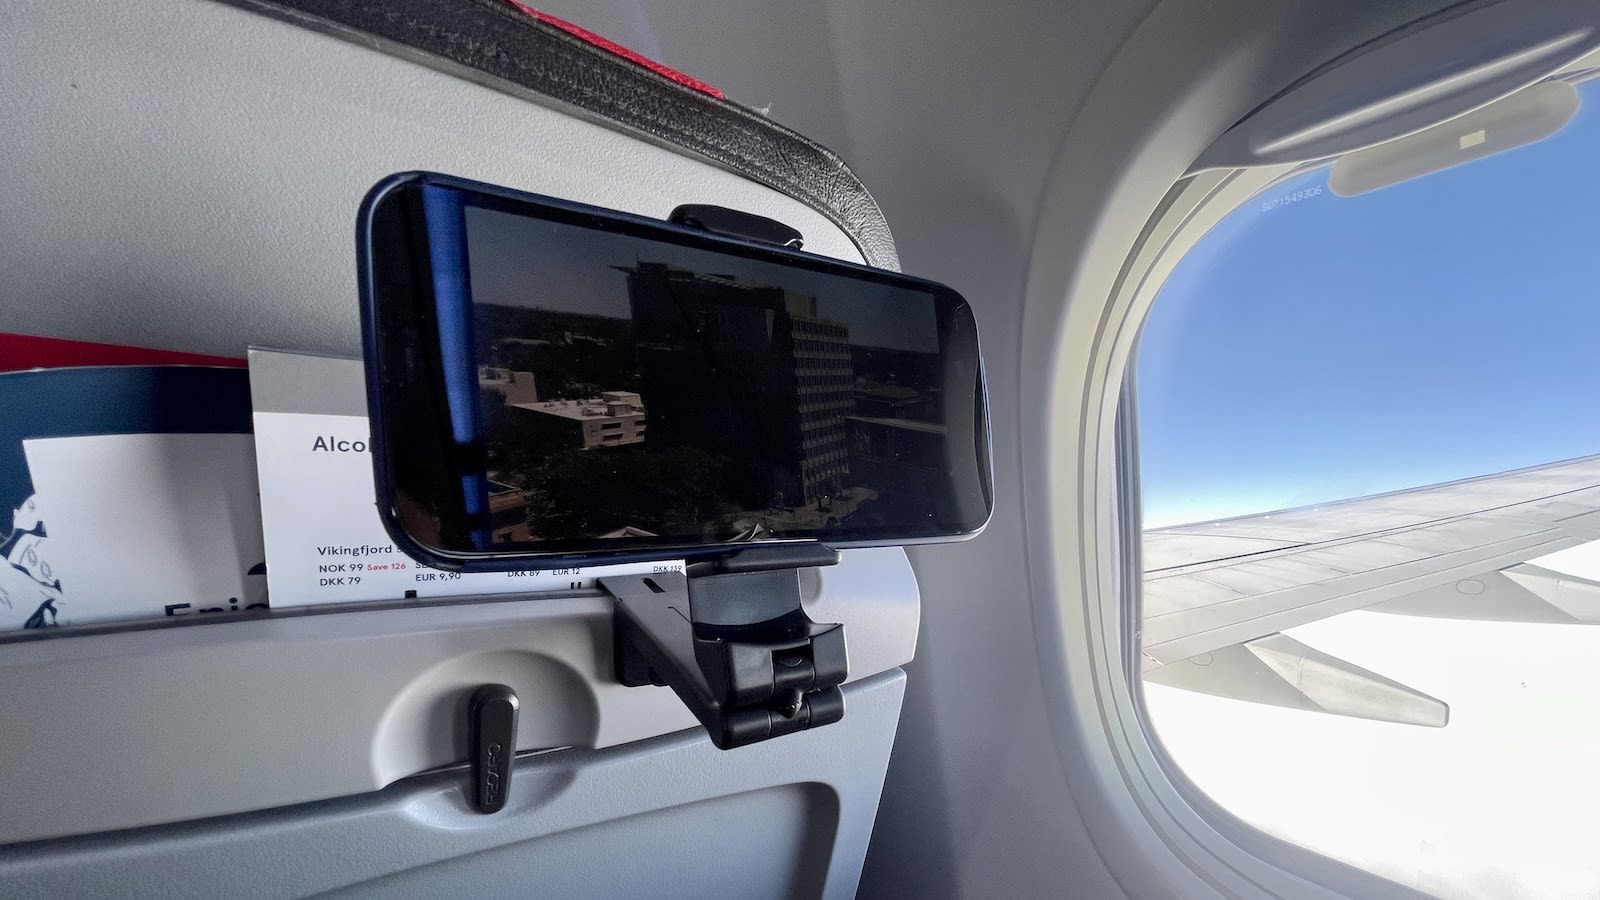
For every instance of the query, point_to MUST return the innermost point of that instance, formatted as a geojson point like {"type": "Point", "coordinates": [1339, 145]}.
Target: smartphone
{"type": "Point", "coordinates": [554, 383]}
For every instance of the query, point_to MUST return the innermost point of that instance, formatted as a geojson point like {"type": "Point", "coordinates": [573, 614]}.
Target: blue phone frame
{"type": "Point", "coordinates": [487, 560]}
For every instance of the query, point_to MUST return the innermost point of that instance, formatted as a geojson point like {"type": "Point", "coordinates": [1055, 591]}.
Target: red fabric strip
{"type": "Point", "coordinates": [23, 351]}
{"type": "Point", "coordinates": [616, 49]}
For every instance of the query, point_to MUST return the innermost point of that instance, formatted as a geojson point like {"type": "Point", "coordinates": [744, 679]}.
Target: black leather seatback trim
{"type": "Point", "coordinates": [494, 44]}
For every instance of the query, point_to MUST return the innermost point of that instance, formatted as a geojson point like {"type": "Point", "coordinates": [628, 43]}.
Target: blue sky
{"type": "Point", "coordinates": [1334, 347]}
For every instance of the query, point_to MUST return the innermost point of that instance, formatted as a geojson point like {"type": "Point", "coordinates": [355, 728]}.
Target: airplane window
{"type": "Point", "coordinates": [1369, 454]}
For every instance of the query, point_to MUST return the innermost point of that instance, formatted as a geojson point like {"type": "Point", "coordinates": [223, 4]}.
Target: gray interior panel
{"type": "Point", "coordinates": [195, 180]}
{"type": "Point", "coordinates": [221, 717]}
{"type": "Point", "coordinates": [669, 817]}
{"type": "Point", "coordinates": [186, 175]}
{"type": "Point", "coordinates": [794, 823]}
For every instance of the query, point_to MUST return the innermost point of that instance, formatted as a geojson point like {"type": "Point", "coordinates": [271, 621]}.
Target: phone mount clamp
{"type": "Point", "coordinates": [730, 638]}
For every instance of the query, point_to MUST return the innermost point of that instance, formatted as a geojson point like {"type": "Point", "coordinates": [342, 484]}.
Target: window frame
{"type": "Point", "coordinates": [1092, 277]}
{"type": "Point", "coordinates": [1192, 208]}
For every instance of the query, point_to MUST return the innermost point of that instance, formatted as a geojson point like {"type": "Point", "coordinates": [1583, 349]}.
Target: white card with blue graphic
{"type": "Point", "coordinates": [145, 526]}
{"type": "Point", "coordinates": [126, 492]}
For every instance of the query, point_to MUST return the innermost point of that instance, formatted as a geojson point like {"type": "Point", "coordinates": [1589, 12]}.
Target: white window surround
{"type": "Point", "coordinates": [1117, 215]}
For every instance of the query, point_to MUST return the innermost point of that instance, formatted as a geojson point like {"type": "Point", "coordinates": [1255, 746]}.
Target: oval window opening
{"type": "Point", "coordinates": [1369, 432]}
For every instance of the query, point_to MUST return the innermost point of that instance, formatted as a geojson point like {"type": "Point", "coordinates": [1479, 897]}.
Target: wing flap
{"type": "Point", "coordinates": [1217, 596]}
{"type": "Point", "coordinates": [1280, 671]}
{"type": "Point", "coordinates": [1522, 593]}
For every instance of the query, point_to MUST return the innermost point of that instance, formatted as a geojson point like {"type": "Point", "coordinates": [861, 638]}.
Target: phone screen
{"type": "Point", "coordinates": [603, 382]}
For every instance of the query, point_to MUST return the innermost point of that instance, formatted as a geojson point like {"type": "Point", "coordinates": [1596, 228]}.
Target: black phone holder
{"type": "Point", "coordinates": [731, 640]}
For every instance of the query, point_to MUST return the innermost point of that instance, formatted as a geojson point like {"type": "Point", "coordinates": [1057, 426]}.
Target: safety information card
{"type": "Point", "coordinates": [324, 541]}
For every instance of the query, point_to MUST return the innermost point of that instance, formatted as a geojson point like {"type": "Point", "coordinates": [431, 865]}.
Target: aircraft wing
{"type": "Point", "coordinates": [1216, 595]}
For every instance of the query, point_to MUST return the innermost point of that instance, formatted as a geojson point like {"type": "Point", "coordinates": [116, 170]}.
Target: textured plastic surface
{"type": "Point", "coordinates": [191, 171]}
{"type": "Point", "coordinates": [672, 817]}
{"type": "Point", "coordinates": [735, 647]}
{"type": "Point", "coordinates": [223, 717]}
{"type": "Point", "coordinates": [485, 40]}
{"type": "Point", "coordinates": [1409, 81]}
{"type": "Point", "coordinates": [185, 175]}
